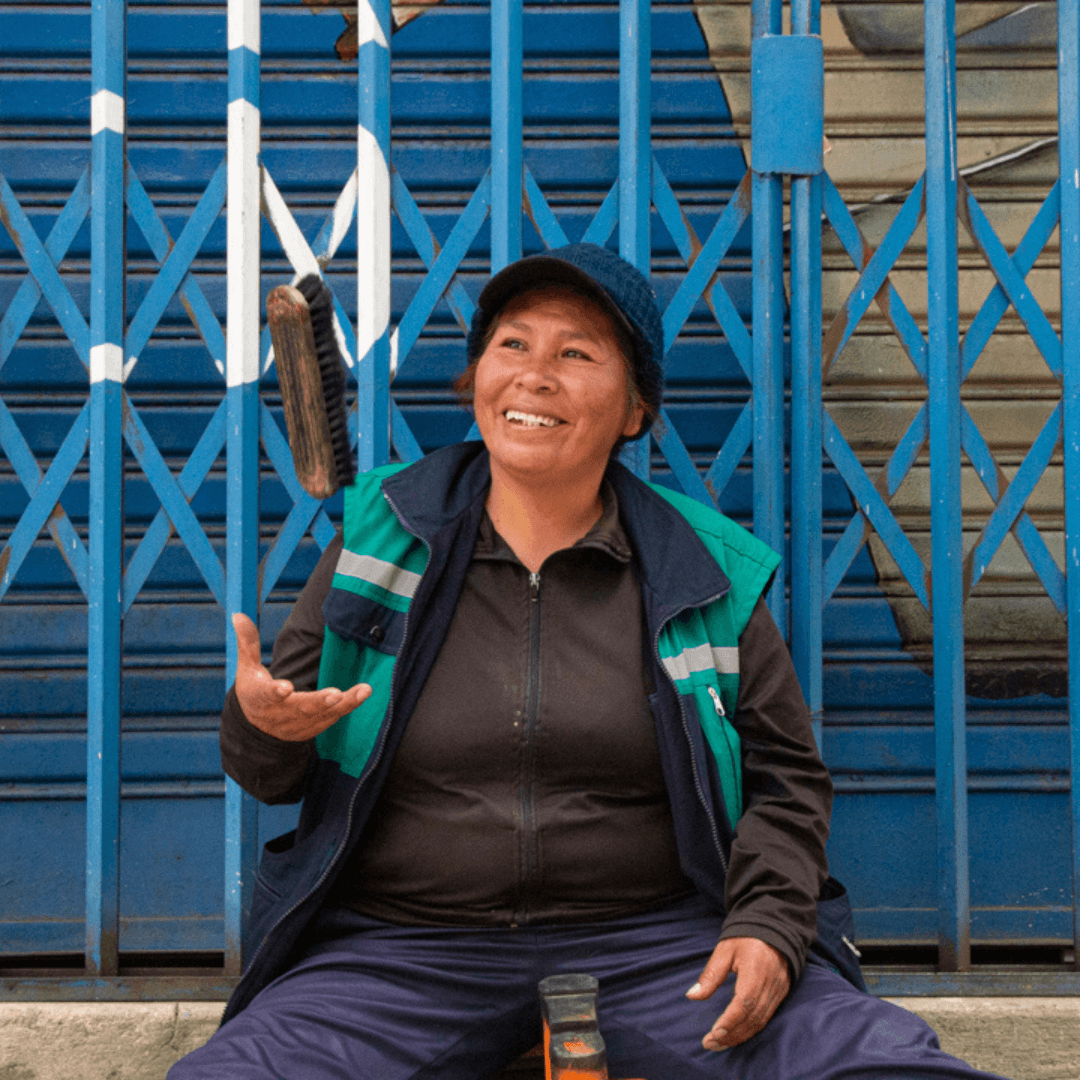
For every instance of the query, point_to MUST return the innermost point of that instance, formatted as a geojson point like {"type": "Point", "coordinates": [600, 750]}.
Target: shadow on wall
{"type": "Point", "coordinates": [1007, 145]}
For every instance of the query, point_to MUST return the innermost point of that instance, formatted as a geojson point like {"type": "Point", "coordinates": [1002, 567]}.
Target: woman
{"type": "Point", "coordinates": [548, 694]}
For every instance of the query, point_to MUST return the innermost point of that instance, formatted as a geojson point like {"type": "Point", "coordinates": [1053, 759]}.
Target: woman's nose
{"type": "Point", "coordinates": [538, 374]}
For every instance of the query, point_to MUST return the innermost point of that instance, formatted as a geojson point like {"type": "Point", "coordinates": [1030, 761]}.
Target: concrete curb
{"type": "Point", "coordinates": [1020, 1038]}
{"type": "Point", "coordinates": [101, 1040]}
{"type": "Point", "coordinates": [1024, 1038]}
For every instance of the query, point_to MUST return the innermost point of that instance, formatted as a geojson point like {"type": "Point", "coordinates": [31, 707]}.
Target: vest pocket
{"type": "Point", "coordinates": [364, 621]}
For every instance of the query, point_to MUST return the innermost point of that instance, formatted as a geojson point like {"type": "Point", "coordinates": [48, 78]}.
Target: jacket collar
{"type": "Point", "coordinates": [448, 483]}
{"type": "Point", "coordinates": [675, 564]}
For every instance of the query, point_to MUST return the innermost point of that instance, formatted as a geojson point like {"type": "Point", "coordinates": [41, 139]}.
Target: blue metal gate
{"type": "Point", "coordinates": [417, 268]}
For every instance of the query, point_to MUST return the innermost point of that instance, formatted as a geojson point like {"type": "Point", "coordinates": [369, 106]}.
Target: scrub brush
{"type": "Point", "coordinates": [312, 379]}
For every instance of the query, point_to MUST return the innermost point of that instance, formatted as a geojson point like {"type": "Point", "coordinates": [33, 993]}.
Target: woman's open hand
{"type": "Point", "coordinates": [761, 983]}
{"type": "Point", "coordinates": [272, 705]}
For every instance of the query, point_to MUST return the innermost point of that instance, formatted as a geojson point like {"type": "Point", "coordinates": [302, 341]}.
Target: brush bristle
{"type": "Point", "coordinates": [332, 369]}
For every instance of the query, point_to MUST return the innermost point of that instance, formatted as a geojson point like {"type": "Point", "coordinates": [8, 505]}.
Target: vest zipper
{"type": "Point", "coordinates": [719, 705]}
{"type": "Point", "coordinates": [372, 762]}
{"type": "Point", "coordinates": [529, 840]}
{"type": "Point", "coordinates": [686, 729]}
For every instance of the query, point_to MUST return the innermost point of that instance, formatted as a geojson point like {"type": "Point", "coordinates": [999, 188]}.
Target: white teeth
{"type": "Point", "coordinates": [530, 420]}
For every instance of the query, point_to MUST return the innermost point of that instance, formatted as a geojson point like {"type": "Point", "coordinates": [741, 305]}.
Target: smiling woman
{"type": "Point", "coordinates": [551, 400]}
{"type": "Point", "coordinates": [592, 696]}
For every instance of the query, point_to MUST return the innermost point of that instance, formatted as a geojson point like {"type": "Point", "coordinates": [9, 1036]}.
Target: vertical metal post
{"type": "Point", "coordinates": [946, 519]}
{"type": "Point", "coordinates": [242, 442]}
{"type": "Point", "coordinates": [806, 462]}
{"type": "Point", "coordinates": [635, 161]}
{"type": "Point", "coordinates": [373, 235]}
{"type": "Point", "coordinates": [768, 345]}
{"type": "Point", "coordinates": [107, 253]}
{"type": "Point", "coordinates": [1069, 163]}
{"type": "Point", "coordinates": [506, 133]}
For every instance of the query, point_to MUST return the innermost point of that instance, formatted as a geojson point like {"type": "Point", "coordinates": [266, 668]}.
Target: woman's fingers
{"type": "Point", "coordinates": [248, 649]}
{"type": "Point", "coordinates": [304, 714]}
{"type": "Point", "coordinates": [714, 972]}
{"type": "Point", "coordinates": [761, 983]}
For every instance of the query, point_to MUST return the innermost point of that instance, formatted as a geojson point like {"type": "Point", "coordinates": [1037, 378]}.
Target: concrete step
{"type": "Point", "coordinates": [1021, 1038]}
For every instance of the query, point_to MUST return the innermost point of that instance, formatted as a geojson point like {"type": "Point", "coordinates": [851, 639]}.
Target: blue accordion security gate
{"type": "Point", "coordinates": [786, 73]}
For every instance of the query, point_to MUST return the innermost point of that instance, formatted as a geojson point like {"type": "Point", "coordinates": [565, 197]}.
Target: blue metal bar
{"type": "Point", "coordinates": [875, 508]}
{"type": "Point", "coordinates": [424, 241]}
{"type": "Point", "coordinates": [767, 200]}
{"type": "Point", "coordinates": [541, 215]}
{"type": "Point", "coordinates": [680, 462]}
{"type": "Point", "coordinates": [732, 452]}
{"type": "Point", "coordinates": [1016, 495]}
{"type": "Point", "coordinates": [705, 263]}
{"type": "Point", "coordinates": [174, 270]}
{"type": "Point", "coordinates": [997, 303]}
{"type": "Point", "coordinates": [860, 252]}
{"type": "Point", "coordinates": [242, 427]}
{"type": "Point", "coordinates": [38, 259]}
{"type": "Point", "coordinates": [946, 520]}
{"type": "Point", "coordinates": [106, 339]}
{"type": "Point", "coordinates": [607, 217]}
{"type": "Point", "coordinates": [1069, 164]}
{"type": "Point", "coordinates": [44, 492]}
{"type": "Point", "coordinates": [635, 162]}
{"type": "Point", "coordinates": [373, 235]}
{"type": "Point", "coordinates": [874, 275]}
{"type": "Point", "coordinates": [806, 457]}
{"type": "Point", "coordinates": [1010, 280]}
{"type": "Point", "coordinates": [506, 135]}
{"type": "Point", "coordinates": [442, 271]}
{"type": "Point", "coordinates": [56, 245]}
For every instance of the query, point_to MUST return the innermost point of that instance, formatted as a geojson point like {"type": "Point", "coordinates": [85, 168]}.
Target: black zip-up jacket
{"type": "Point", "coordinates": [777, 860]}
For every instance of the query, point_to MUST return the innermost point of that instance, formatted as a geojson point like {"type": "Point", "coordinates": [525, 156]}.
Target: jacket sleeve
{"type": "Point", "coordinates": [778, 861]}
{"type": "Point", "coordinates": [274, 770]}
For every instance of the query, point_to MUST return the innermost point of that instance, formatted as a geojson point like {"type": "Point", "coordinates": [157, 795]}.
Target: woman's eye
{"type": "Point", "coordinates": [513, 343]}
{"type": "Point", "coordinates": [576, 354]}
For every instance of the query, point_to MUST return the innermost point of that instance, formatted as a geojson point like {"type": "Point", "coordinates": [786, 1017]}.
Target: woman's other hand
{"type": "Point", "coordinates": [272, 705]}
{"type": "Point", "coordinates": [761, 983]}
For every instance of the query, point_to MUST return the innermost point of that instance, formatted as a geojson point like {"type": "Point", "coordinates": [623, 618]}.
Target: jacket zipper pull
{"type": "Point", "coordinates": [717, 702]}
{"type": "Point", "coordinates": [534, 585]}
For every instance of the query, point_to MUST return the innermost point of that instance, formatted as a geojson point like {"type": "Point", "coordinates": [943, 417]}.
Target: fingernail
{"type": "Point", "coordinates": [283, 691]}
{"type": "Point", "coordinates": [695, 989]}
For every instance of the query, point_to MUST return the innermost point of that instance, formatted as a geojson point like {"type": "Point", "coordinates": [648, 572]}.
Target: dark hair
{"type": "Point", "coordinates": [465, 383]}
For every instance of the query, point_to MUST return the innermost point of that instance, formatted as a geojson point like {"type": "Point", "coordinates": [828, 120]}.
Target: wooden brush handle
{"type": "Point", "coordinates": [302, 391]}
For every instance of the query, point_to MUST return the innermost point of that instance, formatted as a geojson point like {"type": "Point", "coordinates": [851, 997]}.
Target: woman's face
{"type": "Point", "coordinates": [551, 395]}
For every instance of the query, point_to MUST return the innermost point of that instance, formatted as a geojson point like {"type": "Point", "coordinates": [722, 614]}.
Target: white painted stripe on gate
{"type": "Point", "coordinates": [386, 575]}
{"type": "Point", "coordinates": [297, 249]}
{"type": "Point", "coordinates": [243, 225]}
{"type": "Point", "coordinates": [341, 219]}
{"type": "Point", "coordinates": [372, 241]}
{"type": "Point", "coordinates": [106, 112]}
{"type": "Point", "coordinates": [367, 26]}
{"type": "Point", "coordinates": [106, 362]}
{"type": "Point", "coordinates": [245, 30]}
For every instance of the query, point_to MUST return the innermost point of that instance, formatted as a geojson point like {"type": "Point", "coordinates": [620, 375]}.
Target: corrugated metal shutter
{"type": "Point", "coordinates": [878, 730]}
{"type": "Point", "coordinates": [878, 690]}
{"type": "Point", "coordinates": [172, 820]}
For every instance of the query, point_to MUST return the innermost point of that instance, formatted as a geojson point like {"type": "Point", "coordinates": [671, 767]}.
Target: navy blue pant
{"type": "Point", "coordinates": [371, 1000]}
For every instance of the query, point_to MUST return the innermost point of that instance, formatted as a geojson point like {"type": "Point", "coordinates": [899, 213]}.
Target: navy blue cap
{"type": "Point", "coordinates": [615, 284]}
